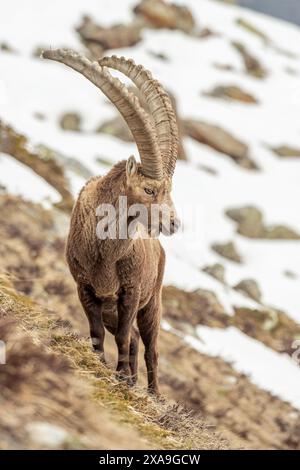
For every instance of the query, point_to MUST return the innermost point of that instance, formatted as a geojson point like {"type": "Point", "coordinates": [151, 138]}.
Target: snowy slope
{"type": "Point", "coordinates": [29, 85]}
{"type": "Point", "coordinates": [20, 180]}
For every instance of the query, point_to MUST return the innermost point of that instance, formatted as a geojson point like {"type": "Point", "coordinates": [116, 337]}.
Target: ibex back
{"type": "Point", "coordinates": [119, 279]}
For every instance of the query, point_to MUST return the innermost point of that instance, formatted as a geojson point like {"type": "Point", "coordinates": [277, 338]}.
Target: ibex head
{"type": "Point", "coordinates": [155, 196]}
{"type": "Point", "coordinates": [156, 135]}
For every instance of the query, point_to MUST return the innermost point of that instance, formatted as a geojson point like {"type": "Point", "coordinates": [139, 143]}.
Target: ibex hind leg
{"type": "Point", "coordinates": [133, 354]}
{"type": "Point", "coordinates": [148, 320]}
{"type": "Point", "coordinates": [93, 309]}
{"type": "Point", "coordinates": [127, 309]}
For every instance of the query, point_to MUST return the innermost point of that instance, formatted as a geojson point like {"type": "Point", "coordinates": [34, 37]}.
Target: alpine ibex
{"type": "Point", "coordinates": [120, 280]}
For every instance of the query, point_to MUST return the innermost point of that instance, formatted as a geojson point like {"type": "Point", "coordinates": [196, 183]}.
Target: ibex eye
{"type": "Point", "coordinates": [149, 191]}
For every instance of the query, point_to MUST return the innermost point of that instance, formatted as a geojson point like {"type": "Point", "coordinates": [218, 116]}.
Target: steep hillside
{"type": "Point", "coordinates": [231, 296]}
{"type": "Point", "coordinates": [205, 404]}
{"type": "Point", "coordinates": [55, 394]}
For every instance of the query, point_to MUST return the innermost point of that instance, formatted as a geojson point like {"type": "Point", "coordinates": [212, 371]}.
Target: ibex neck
{"type": "Point", "coordinates": [112, 197]}
{"type": "Point", "coordinates": [112, 185]}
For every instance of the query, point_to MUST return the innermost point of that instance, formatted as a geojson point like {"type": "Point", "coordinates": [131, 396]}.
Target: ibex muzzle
{"type": "Point", "coordinates": [153, 195]}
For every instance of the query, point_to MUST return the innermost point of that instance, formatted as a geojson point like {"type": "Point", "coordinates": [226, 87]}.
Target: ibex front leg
{"type": "Point", "coordinates": [93, 310]}
{"type": "Point", "coordinates": [127, 311]}
{"type": "Point", "coordinates": [148, 320]}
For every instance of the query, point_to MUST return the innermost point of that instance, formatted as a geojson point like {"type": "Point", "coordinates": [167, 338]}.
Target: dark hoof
{"type": "Point", "coordinates": [101, 357]}
{"type": "Point", "coordinates": [154, 391]}
{"type": "Point", "coordinates": [134, 379]}
{"type": "Point", "coordinates": [123, 375]}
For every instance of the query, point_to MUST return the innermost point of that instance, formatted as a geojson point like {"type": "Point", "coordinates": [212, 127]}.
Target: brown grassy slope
{"type": "Point", "coordinates": [39, 391]}
{"type": "Point", "coordinates": [241, 412]}
{"type": "Point", "coordinates": [52, 378]}
{"type": "Point", "coordinates": [32, 253]}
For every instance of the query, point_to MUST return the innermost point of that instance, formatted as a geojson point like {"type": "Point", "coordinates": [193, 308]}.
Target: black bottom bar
{"type": "Point", "coordinates": [137, 459]}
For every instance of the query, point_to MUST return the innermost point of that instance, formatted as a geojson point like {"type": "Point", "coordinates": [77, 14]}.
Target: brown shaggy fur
{"type": "Point", "coordinates": [120, 281]}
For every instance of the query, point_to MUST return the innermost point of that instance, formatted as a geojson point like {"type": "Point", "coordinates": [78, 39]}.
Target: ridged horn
{"type": "Point", "coordinates": [159, 104]}
{"type": "Point", "coordinates": [125, 101]}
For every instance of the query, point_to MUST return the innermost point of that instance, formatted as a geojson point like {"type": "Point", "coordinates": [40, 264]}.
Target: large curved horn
{"type": "Point", "coordinates": [159, 104]}
{"type": "Point", "coordinates": [125, 101]}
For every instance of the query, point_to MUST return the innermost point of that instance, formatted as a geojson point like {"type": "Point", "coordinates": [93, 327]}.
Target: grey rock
{"type": "Point", "coordinates": [160, 14]}
{"type": "Point", "coordinates": [252, 64]}
{"type": "Point", "coordinates": [251, 224]}
{"type": "Point", "coordinates": [249, 219]}
{"type": "Point", "coordinates": [116, 127]}
{"type": "Point", "coordinates": [281, 232]}
{"type": "Point", "coordinates": [251, 288]}
{"type": "Point", "coordinates": [227, 250]}
{"type": "Point", "coordinates": [219, 139]}
{"type": "Point", "coordinates": [217, 271]}
{"type": "Point", "coordinates": [286, 151]}
{"type": "Point", "coordinates": [70, 121]}
{"type": "Point", "coordinates": [232, 93]}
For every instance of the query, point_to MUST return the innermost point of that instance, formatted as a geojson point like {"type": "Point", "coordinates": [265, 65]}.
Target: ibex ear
{"type": "Point", "coordinates": [131, 166]}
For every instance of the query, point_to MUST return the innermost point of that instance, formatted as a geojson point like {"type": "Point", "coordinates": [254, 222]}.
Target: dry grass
{"type": "Point", "coordinates": [53, 376]}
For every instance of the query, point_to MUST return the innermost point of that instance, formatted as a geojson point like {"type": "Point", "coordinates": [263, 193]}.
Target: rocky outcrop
{"type": "Point", "coordinates": [216, 270]}
{"type": "Point", "coordinates": [227, 250]}
{"type": "Point", "coordinates": [148, 14]}
{"type": "Point", "coordinates": [162, 14]}
{"type": "Point", "coordinates": [252, 64]}
{"type": "Point", "coordinates": [250, 288]}
{"type": "Point", "coordinates": [185, 310]}
{"type": "Point", "coordinates": [231, 93]}
{"type": "Point", "coordinates": [6, 47]}
{"type": "Point", "coordinates": [70, 122]}
{"type": "Point", "coordinates": [116, 127]}
{"type": "Point", "coordinates": [249, 220]}
{"type": "Point", "coordinates": [280, 232]}
{"type": "Point", "coordinates": [200, 307]}
{"type": "Point", "coordinates": [98, 39]}
{"type": "Point", "coordinates": [251, 224]}
{"type": "Point", "coordinates": [223, 67]}
{"type": "Point", "coordinates": [286, 151]}
{"type": "Point", "coordinates": [221, 140]}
